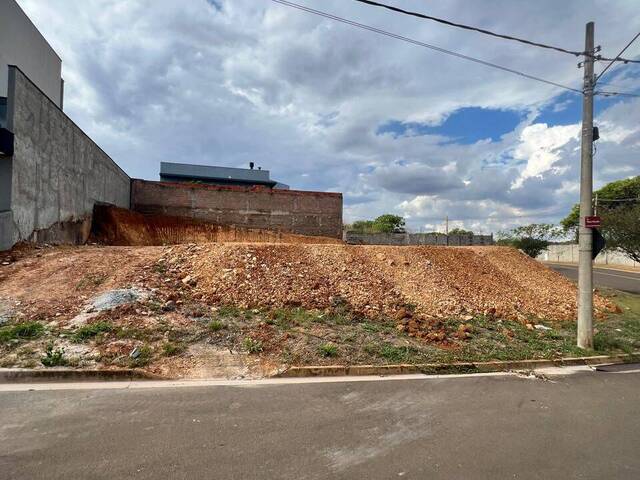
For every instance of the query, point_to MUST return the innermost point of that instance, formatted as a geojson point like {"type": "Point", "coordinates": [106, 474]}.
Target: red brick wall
{"type": "Point", "coordinates": [301, 212]}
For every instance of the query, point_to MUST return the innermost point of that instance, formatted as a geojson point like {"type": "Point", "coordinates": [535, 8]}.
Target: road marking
{"type": "Point", "coordinates": [145, 384]}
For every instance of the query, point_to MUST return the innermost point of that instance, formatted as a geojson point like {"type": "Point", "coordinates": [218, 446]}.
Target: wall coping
{"type": "Point", "coordinates": [236, 188]}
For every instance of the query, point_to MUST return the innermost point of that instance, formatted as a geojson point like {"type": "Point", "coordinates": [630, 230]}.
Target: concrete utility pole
{"type": "Point", "coordinates": [585, 265]}
{"type": "Point", "coordinates": [446, 228]}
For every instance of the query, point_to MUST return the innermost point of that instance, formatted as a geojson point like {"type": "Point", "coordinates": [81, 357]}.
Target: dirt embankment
{"type": "Point", "coordinates": [248, 308]}
{"type": "Point", "coordinates": [119, 226]}
{"type": "Point", "coordinates": [372, 281]}
{"type": "Point", "coordinates": [435, 282]}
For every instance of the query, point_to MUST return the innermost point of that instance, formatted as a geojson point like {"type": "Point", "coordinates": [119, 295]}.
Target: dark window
{"type": "Point", "coordinates": [3, 112]}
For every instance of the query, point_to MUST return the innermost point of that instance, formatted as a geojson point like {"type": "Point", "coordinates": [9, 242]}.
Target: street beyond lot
{"type": "Point", "coordinates": [627, 281]}
{"type": "Point", "coordinates": [585, 425]}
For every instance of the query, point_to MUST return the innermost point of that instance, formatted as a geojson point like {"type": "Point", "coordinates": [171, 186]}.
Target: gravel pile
{"type": "Point", "coordinates": [432, 282]}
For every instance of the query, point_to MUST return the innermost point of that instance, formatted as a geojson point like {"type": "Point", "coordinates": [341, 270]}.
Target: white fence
{"type": "Point", "coordinates": [569, 254]}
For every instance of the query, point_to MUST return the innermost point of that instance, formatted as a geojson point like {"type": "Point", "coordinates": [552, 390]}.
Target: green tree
{"type": "Point", "coordinates": [362, 226]}
{"type": "Point", "coordinates": [386, 223]}
{"type": "Point", "coordinates": [389, 224]}
{"type": "Point", "coordinates": [620, 189]}
{"type": "Point", "coordinates": [621, 230]}
{"type": "Point", "coordinates": [531, 239]}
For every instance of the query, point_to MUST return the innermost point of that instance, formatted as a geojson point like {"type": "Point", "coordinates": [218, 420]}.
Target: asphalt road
{"type": "Point", "coordinates": [605, 277]}
{"type": "Point", "coordinates": [585, 425]}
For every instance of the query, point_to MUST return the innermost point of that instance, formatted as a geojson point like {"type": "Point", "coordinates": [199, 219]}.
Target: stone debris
{"type": "Point", "coordinates": [115, 298]}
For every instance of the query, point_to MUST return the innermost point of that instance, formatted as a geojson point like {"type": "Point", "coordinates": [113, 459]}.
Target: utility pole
{"type": "Point", "coordinates": [446, 228]}
{"type": "Point", "coordinates": [585, 265]}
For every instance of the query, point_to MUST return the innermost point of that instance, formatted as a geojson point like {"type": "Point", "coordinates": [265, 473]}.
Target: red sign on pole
{"type": "Point", "coordinates": [592, 222]}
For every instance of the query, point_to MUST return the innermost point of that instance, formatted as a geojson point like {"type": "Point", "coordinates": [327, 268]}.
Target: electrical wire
{"type": "Point", "coordinates": [494, 34]}
{"type": "Point", "coordinates": [423, 44]}
{"type": "Point", "coordinates": [611, 94]}
{"type": "Point", "coordinates": [617, 56]}
{"type": "Point", "coordinates": [468, 27]}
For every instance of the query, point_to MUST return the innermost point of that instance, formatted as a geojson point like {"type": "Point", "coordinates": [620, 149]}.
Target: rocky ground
{"type": "Point", "coordinates": [252, 309]}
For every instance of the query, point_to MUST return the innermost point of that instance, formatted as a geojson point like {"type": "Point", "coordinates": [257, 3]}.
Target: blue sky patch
{"type": "Point", "coordinates": [464, 126]}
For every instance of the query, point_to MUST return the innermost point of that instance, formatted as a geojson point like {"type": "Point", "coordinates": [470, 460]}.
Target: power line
{"type": "Point", "coordinates": [576, 53]}
{"type": "Point", "coordinates": [616, 59]}
{"type": "Point", "coordinates": [611, 94]}
{"type": "Point", "coordinates": [468, 27]}
{"type": "Point", "coordinates": [423, 44]}
{"type": "Point", "coordinates": [617, 56]}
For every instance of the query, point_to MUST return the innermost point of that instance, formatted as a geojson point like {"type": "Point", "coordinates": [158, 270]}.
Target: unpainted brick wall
{"type": "Point", "coordinates": [301, 212]}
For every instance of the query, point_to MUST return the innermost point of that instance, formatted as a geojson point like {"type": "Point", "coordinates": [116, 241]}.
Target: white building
{"type": "Point", "coordinates": [22, 45]}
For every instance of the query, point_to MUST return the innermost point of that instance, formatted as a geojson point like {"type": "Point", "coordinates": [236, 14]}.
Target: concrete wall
{"type": "Point", "coordinates": [57, 172]}
{"type": "Point", "coordinates": [22, 44]}
{"type": "Point", "coordinates": [416, 239]}
{"type": "Point", "coordinates": [305, 213]}
{"type": "Point", "coordinates": [569, 254]}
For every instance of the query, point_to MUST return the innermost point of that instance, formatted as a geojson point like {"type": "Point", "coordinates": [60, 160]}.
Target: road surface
{"type": "Point", "coordinates": [604, 277]}
{"type": "Point", "coordinates": [585, 425]}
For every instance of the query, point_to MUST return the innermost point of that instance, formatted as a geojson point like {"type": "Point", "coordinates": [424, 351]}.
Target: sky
{"type": "Point", "coordinates": [325, 106]}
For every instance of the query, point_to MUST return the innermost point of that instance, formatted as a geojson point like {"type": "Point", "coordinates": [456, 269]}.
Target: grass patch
{"type": "Point", "coordinates": [252, 345]}
{"type": "Point", "coordinates": [132, 332]}
{"type": "Point", "coordinates": [91, 330]}
{"type": "Point", "coordinates": [229, 311]}
{"type": "Point", "coordinates": [142, 358]}
{"type": "Point", "coordinates": [53, 358]}
{"type": "Point", "coordinates": [328, 350]}
{"type": "Point", "coordinates": [21, 331]}
{"type": "Point", "coordinates": [216, 325]}
{"type": "Point", "coordinates": [292, 317]}
{"type": "Point", "coordinates": [170, 349]}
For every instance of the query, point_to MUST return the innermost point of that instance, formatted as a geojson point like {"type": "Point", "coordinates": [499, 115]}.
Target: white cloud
{"type": "Point", "coordinates": [541, 147]}
{"type": "Point", "coordinates": [303, 96]}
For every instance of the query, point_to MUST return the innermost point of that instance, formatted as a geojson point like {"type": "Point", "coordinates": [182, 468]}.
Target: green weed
{"type": "Point", "coordinates": [252, 345]}
{"type": "Point", "coordinates": [21, 331]}
{"type": "Point", "coordinates": [328, 350]}
{"type": "Point", "coordinates": [143, 358]}
{"type": "Point", "coordinates": [91, 330]}
{"type": "Point", "coordinates": [216, 325]}
{"type": "Point", "coordinates": [171, 349]}
{"type": "Point", "coordinates": [53, 358]}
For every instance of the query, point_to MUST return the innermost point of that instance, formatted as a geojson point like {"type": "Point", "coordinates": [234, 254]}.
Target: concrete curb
{"type": "Point", "coordinates": [27, 375]}
{"type": "Point", "coordinates": [445, 368]}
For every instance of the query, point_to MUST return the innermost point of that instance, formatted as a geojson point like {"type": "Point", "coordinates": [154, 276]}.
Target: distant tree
{"type": "Point", "coordinates": [389, 224]}
{"type": "Point", "coordinates": [362, 226]}
{"type": "Point", "coordinates": [383, 224]}
{"type": "Point", "coordinates": [531, 239]}
{"type": "Point", "coordinates": [460, 231]}
{"type": "Point", "coordinates": [621, 230]}
{"type": "Point", "coordinates": [620, 189]}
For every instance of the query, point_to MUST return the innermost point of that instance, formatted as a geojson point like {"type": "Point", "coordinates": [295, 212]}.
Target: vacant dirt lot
{"type": "Point", "coordinates": [249, 308]}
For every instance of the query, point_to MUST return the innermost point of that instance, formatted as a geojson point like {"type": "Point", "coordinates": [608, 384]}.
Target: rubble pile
{"type": "Point", "coordinates": [430, 282]}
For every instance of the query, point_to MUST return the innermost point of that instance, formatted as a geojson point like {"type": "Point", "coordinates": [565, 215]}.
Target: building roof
{"type": "Point", "coordinates": [214, 173]}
